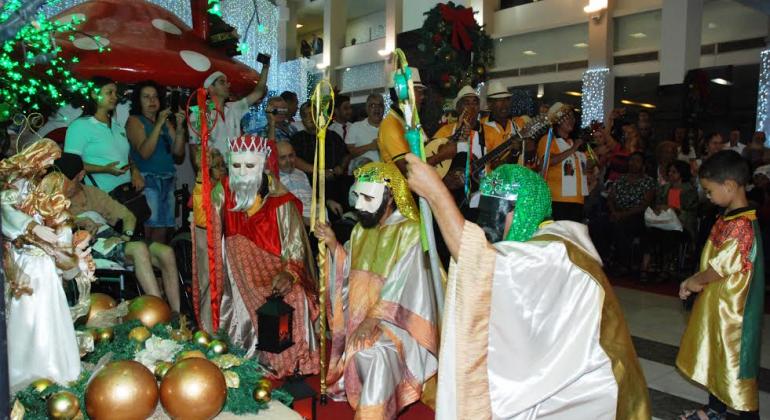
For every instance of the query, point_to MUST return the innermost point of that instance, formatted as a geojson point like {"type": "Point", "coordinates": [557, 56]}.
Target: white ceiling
{"type": "Point", "coordinates": [310, 12]}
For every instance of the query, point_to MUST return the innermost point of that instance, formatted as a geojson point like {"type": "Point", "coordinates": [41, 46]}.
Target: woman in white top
{"type": "Point", "coordinates": [101, 142]}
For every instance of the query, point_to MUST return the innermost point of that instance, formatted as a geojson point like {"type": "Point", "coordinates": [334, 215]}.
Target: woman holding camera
{"type": "Point", "coordinates": [157, 139]}
{"type": "Point", "coordinates": [100, 141]}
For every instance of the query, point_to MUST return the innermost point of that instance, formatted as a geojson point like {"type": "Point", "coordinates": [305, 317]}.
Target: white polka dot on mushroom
{"type": "Point", "coordinates": [88, 43]}
{"type": "Point", "coordinates": [69, 18]}
{"type": "Point", "coordinates": [195, 60]}
{"type": "Point", "coordinates": [166, 26]}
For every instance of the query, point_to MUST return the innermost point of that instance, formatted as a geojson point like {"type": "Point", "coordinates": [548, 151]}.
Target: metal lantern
{"type": "Point", "coordinates": [274, 322]}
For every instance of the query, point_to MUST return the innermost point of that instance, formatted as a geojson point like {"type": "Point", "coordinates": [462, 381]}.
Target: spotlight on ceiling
{"type": "Point", "coordinates": [721, 81]}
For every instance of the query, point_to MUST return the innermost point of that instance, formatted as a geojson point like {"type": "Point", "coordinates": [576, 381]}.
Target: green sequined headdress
{"type": "Point", "coordinates": [528, 190]}
{"type": "Point", "coordinates": [388, 174]}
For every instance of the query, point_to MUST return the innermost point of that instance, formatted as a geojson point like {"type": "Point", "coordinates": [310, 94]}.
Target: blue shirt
{"type": "Point", "coordinates": [99, 144]}
{"type": "Point", "coordinates": [161, 160]}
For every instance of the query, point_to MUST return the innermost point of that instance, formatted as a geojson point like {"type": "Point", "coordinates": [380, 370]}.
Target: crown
{"type": "Point", "coordinates": [250, 143]}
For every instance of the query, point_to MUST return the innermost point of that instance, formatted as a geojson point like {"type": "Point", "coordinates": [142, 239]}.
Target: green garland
{"type": "Point", "coordinates": [239, 400]}
{"type": "Point", "coordinates": [451, 68]}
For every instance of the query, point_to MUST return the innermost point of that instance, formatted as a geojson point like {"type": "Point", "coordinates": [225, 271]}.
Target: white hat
{"type": "Point", "coordinates": [416, 80]}
{"type": "Point", "coordinates": [496, 90]}
{"type": "Point", "coordinates": [465, 91]}
{"type": "Point", "coordinates": [212, 78]}
{"type": "Point", "coordinates": [763, 170]}
{"type": "Point", "coordinates": [557, 111]}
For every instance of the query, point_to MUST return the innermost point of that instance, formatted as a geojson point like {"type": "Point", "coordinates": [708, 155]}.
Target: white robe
{"type": "Point", "coordinates": [41, 335]}
{"type": "Point", "coordinates": [542, 358]}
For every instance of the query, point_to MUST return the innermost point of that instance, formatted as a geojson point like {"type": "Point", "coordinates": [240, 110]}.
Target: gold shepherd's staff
{"type": "Point", "coordinates": [322, 107]}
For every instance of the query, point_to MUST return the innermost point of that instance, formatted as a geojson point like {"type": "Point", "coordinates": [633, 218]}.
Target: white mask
{"type": "Point", "coordinates": [245, 177]}
{"type": "Point", "coordinates": [368, 196]}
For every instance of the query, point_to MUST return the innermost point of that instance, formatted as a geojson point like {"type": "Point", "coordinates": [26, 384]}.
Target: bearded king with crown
{"type": "Point", "coordinates": [266, 252]}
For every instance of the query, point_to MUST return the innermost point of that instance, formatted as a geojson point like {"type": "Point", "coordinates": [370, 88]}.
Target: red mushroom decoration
{"type": "Point", "coordinates": [147, 42]}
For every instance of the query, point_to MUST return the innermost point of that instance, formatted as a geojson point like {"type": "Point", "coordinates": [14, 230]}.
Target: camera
{"type": "Point", "coordinates": [264, 59]}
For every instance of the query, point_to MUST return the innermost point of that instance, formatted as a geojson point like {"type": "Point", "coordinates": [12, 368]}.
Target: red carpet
{"type": "Point", "coordinates": [342, 411]}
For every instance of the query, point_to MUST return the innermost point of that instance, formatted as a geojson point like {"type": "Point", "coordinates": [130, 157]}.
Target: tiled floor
{"type": "Point", "coordinates": [656, 323]}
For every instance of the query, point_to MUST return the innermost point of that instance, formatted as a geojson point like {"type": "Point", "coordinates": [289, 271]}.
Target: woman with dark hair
{"type": "Point", "coordinates": [629, 197]}
{"type": "Point", "coordinates": [100, 141]}
{"type": "Point", "coordinates": [680, 195]}
{"type": "Point", "coordinates": [156, 143]}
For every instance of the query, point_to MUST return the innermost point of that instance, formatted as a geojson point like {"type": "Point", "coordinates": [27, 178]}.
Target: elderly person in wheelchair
{"type": "Point", "coordinates": [96, 212]}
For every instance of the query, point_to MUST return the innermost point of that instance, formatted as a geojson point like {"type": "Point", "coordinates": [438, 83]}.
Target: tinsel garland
{"type": "Point", "coordinates": [239, 400]}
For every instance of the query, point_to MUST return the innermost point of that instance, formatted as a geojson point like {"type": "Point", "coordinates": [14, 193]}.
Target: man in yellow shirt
{"type": "Point", "coordinates": [498, 126]}
{"type": "Point", "coordinates": [565, 165]}
{"type": "Point", "coordinates": [390, 139]}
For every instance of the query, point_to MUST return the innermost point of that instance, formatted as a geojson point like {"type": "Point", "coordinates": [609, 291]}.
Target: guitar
{"type": "Point", "coordinates": [431, 148]}
{"type": "Point", "coordinates": [532, 132]}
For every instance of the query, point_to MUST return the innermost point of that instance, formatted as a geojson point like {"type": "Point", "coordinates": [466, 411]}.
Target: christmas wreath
{"type": "Point", "coordinates": [458, 50]}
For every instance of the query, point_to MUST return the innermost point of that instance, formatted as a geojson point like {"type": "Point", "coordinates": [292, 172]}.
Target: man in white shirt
{"type": "Point", "coordinates": [735, 142]}
{"type": "Point", "coordinates": [229, 115]}
{"type": "Point", "coordinates": [343, 113]}
{"type": "Point", "coordinates": [293, 179]}
{"type": "Point", "coordinates": [362, 136]}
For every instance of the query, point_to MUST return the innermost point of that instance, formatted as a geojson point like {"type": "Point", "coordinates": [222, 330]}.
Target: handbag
{"type": "Point", "coordinates": [665, 220]}
{"type": "Point", "coordinates": [133, 200]}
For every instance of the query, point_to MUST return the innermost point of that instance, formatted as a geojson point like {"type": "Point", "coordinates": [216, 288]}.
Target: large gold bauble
{"type": "Point", "coordinates": [63, 405]}
{"type": "Point", "coordinates": [149, 310]}
{"type": "Point", "coordinates": [217, 348]}
{"type": "Point", "coordinates": [262, 395]}
{"type": "Point", "coordinates": [139, 334]}
{"type": "Point", "coordinates": [191, 354]}
{"type": "Point", "coordinates": [41, 385]}
{"type": "Point", "coordinates": [104, 335]}
{"type": "Point", "coordinates": [122, 390]}
{"type": "Point", "coordinates": [193, 389]}
{"type": "Point", "coordinates": [202, 338]}
{"type": "Point", "coordinates": [100, 302]}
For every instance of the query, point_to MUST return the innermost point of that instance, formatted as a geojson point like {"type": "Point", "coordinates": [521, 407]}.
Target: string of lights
{"type": "Point", "coordinates": [763, 96]}
{"type": "Point", "coordinates": [594, 89]}
{"type": "Point", "coordinates": [33, 75]}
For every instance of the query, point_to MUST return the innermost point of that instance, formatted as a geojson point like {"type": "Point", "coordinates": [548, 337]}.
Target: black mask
{"type": "Point", "coordinates": [492, 213]}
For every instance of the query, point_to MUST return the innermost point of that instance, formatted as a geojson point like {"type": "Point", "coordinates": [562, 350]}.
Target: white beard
{"type": "Point", "coordinates": [246, 190]}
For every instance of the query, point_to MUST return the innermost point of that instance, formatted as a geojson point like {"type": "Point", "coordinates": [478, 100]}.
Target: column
{"type": "Point", "coordinates": [484, 11]}
{"type": "Point", "coordinates": [680, 35]}
{"type": "Point", "coordinates": [335, 22]}
{"type": "Point", "coordinates": [394, 16]}
{"type": "Point", "coordinates": [598, 81]}
{"type": "Point", "coordinates": [286, 33]}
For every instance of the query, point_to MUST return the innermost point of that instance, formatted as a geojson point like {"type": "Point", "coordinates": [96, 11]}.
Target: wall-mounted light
{"type": "Point", "coordinates": [540, 91]}
{"type": "Point", "coordinates": [595, 9]}
{"type": "Point", "coordinates": [299, 25]}
{"type": "Point", "coordinates": [721, 81]}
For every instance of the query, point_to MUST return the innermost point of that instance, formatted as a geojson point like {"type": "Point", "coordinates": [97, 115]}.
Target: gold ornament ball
{"type": "Point", "coordinates": [193, 389]}
{"type": "Point", "coordinates": [265, 383]}
{"type": "Point", "coordinates": [41, 385]}
{"type": "Point", "coordinates": [139, 334]}
{"type": "Point", "coordinates": [191, 354]}
{"type": "Point", "coordinates": [122, 390]}
{"type": "Point", "coordinates": [63, 405]}
{"type": "Point", "coordinates": [202, 338]}
{"type": "Point", "coordinates": [262, 395]}
{"type": "Point", "coordinates": [217, 347]}
{"type": "Point", "coordinates": [104, 335]}
{"type": "Point", "coordinates": [161, 369]}
{"type": "Point", "coordinates": [149, 310]}
{"type": "Point", "coordinates": [100, 302]}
